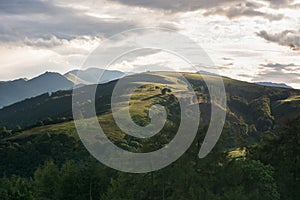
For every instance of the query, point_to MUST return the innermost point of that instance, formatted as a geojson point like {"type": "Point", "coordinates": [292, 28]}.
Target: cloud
{"type": "Point", "coordinates": [48, 43]}
{"type": "Point", "coordinates": [277, 72]}
{"type": "Point", "coordinates": [282, 3]}
{"type": "Point", "coordinates": [287, 38]}
{"type": "Point", "coordinates": [51, 24]}
{"type": "Point", "coordinates": [245, 75]}
{"type": "Point", "coordinates": [191, 5]}
{"type": "Point", "coordinates": [278, 66]}
{"type": "Point", "coordinates": [230, 8]}
{"type": "Point", "coordinates": [27, 7]}
{"type": "Point", "coordinates": [225, 58]}
{"type": "Point", "coordinates": [53, 42]}
{"type": "Point", "coordinates": [245, 9]}
{"type": "Point", "coordinates": [177, 5]}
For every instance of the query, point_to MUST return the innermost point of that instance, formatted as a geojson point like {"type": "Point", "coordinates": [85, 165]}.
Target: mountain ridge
{"type": "Point", "coordinates": [243, 99]}
{"type": "Point", "coordinates": [20, 89]}
{"type": "Point", "coordinates": [272, 84]}
{"type": "Point", "coordinates": [93, 75]}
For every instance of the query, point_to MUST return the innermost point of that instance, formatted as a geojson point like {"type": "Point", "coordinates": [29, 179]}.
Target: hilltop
{"type": "Point", "coordinates": [251, 109]}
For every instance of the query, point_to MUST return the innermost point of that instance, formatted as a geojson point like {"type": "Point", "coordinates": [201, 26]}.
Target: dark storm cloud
{"type": "Point", "coordinates": [43, 20]}
{"type": "Point", "coordinates": [287, 38]}
{"type": "Point", "coordinates": [278, 72]}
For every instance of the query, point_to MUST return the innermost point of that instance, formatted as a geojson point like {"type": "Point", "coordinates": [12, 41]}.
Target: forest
{"type": "Point", "coordinates": [257, 156]}
{"type": "Point", "coordinates": [268, 170]}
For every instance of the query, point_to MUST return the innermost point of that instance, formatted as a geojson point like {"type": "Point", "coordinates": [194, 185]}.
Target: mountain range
{"type": "Point", "coordinates": [271, 84]}
{"type": "Point", "coordinates": [17, 90]}
{"type": "Point", "coordinates": [21, 89]}
{"type": "Point", "coordinates": [251, 108]}
{"type": "Point", "coordinates": [93, 76]}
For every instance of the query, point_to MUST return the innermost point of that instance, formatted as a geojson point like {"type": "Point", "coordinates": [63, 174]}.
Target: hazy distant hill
{"type": "Point", "coordinates": [17, 90]}
{"type": "Point", "coordinates": [93, 76]}
{"type": "Point", "coordinates": [20, 89]}
{"type": "Point", "coordinates": [271, 84]}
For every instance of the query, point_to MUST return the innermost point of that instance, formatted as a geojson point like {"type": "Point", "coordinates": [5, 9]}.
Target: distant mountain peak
{"type": "Point", "coordinates": [93, 76]}
{"type": "Point", "coordinates": [271, 84]}
{"type": "Point", "coordinates": [207, 73]}
{"type": "Point", "coordinates": [48, 82]}
{"type": "Point", "coordinates": [47, 73]}
{"type": "Point", "coordinates": [20, 89]}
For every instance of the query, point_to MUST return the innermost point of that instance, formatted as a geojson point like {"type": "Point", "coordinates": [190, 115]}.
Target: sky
{"type": "Point", "coordinates": [254, 41]}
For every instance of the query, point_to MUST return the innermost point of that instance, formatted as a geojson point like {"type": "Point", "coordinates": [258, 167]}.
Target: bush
{"type": "Point", "coordinates": [165, 90]}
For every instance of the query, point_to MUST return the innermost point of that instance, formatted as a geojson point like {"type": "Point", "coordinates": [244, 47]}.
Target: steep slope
{"type": "Point", "coordinates": [17, 90]}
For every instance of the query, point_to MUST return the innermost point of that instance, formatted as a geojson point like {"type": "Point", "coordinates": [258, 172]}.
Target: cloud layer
{"type": "Point", "coordinates": [277, 72]}
{"type": "Point", "coordinates": [289, 38]}
{"type": "Point", "coordinates": [191, 5]}
{"type": "Point", "coordinates": [244, 9]}
{"type": "Point", "coordinates": [44, 23]}
{"type": "Point", "coordinates": [238, 35]}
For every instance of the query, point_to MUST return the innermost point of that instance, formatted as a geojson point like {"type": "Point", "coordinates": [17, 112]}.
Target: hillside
{"type": "Point", "coordinates": [252, 109]}
{"type": "Point", "coordinates": [48, 155]}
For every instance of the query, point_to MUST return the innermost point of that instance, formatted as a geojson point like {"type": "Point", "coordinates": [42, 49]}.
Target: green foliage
{"type": "Point", "coordinates": [16, 188]}
{"type": "Point", "coordinates": [17, 129]}
{"type": "Point", "coordinates": [164, 91]}
{"type": "Point", "coordinates": [81, 177]}
{"type": "Point", "coordinates": [4, 132]}
{"type": "Point", "coordinates": [282, 152]}
{"type": "Point", "coordinates": [48, 121]}
{"type": "Point", "coordinates": [46, 181]}
{"type": "Point", "coordinates": [240, 103]}
{"type": "Point", "coordinates": [262, 112]}
{"type": "Point", "coordinates": [3, 128]}
{"type": "Point", "coordinates": [73, 181]}
{"type": "Point", "coordinates": [23, 156]}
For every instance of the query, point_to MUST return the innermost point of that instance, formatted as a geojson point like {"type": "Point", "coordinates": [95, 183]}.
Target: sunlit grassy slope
{"type": "Point", "coordinates": [283, 103]}
{"type": "Point", "coordinates": [141, 101]}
